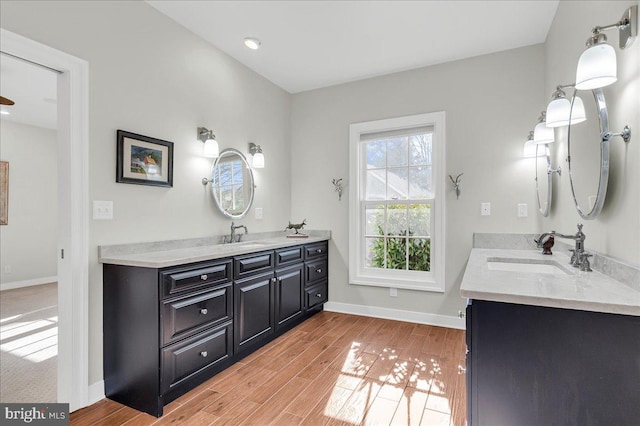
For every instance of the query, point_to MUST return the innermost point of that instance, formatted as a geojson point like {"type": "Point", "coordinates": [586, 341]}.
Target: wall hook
{"type": "Point", "coordinates": [338, 187]}
{"type": "Point", "coordinates": [456, 184]}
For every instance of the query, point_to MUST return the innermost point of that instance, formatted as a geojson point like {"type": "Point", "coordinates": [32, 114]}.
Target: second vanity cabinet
{"type": "Point", "coordinates": [534, 365]}
{"type": "Point", "coordinates": [166, 330]}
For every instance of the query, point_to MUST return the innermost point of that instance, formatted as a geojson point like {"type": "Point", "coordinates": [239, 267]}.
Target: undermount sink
{"type": "Point", "coordinates": [532, 266]}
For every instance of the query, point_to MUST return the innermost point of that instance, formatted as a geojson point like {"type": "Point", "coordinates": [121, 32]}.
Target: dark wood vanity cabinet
{"type": "Point", "coordinates": [167, 330]}
{"type": "Point", "coordinates": [532, 365]}
{"type": "Point", "coordinates": [316, 273]}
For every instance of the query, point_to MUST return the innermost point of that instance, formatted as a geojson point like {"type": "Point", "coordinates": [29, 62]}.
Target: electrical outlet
{"type": "Point", "coordinates": [522, 210]}
{"type": "Point", "coordinates": [485, 209]}
{"type": "Point", "coordinates": [393, 292]}
{"type": "Point", "coordinates": [103, 210]}
{"type": "Point", "coordinates": [6, 269]}
{"type": "Point", "coordinates": [461, 314]}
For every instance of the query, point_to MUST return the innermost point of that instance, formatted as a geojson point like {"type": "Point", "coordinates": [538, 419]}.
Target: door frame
{"type": "Point", "coordinates": [73, 211]}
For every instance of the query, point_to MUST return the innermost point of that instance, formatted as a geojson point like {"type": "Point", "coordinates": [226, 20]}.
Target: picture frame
{"type": "Point", "coordinates": [143, 160]}
{"type": "Point", "coordinates": [4, 192]}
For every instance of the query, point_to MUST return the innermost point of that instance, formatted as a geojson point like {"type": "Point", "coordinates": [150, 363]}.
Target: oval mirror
{"type": "Point", "coordinates": [232, 184]}
{"type": "Point", "coordinates": [543, 178]}
{"type": "Point", "coordinates": [588, 156]}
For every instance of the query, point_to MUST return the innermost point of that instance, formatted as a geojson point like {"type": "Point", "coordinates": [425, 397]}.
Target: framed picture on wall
{"type": "Point", "coordinates": [4, 192]}
{"type": "Point", "coordinates": [143, 160]}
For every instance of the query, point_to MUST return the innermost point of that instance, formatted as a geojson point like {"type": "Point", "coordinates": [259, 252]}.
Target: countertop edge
{"type": "Point", "coordinates": [138, 259]}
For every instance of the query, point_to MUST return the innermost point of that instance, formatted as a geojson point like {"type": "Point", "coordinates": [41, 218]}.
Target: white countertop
{"type": "Point", "coordinates": [567, 288]}
{"type": "Point", "coordinates": [163, 254]}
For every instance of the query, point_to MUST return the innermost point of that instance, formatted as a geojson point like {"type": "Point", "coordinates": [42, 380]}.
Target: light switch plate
{"type": "Point", "coordinates": [393, 292]}
{"type": "Point", "coordinates": [259, 213]}
{"type": "Point", "coordinates": [103, 210]}
{"type": "Point", "coordinates": [485, 209]}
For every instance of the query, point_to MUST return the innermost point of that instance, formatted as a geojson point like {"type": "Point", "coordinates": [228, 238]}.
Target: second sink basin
{"type": "Point", "coordinates": [535, 266]}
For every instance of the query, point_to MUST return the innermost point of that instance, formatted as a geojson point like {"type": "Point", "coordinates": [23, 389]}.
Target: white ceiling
{"type": "Point", "coordinates": [313, 44]}
{"type": "Point", "coordinates": [32, 88]}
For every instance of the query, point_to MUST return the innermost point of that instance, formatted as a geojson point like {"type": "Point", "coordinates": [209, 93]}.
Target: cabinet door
{"type": "Point", "coordinates": [253, 310]}
{"type": "Point", "coordinates": [289, 295]}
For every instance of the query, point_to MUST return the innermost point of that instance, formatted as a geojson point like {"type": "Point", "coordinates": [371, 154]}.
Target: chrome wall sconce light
{"type": "Point", "coordinates": [530, 148]}
{"type": "Point", "coordinates": [561, 112]}
{"type": "Point", "coordinates": [541, 133]}
{"type": "Point", "coordinates": [257, 161]}
{"type": "Point", "coordinates": [207, 137]}
{"type": "Point", "coordinates": [597, 65]}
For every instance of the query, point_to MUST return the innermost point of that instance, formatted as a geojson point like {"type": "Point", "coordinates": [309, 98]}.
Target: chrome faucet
{"type": "Point", "coordinates": [233, 237]}
{"type": "Point", "coordinates": [579, 258]}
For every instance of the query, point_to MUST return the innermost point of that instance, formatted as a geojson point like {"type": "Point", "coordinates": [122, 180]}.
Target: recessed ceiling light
{"type": "Point", "coordinates": [252, 43]}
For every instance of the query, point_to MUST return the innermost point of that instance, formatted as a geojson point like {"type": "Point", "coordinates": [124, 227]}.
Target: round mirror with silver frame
{"type": "Point", "coordinates": [232, 184]}
{"type": "Point", "coordinates": [544, 189]}
{"type": "Point", "coordinates": [588, 156]}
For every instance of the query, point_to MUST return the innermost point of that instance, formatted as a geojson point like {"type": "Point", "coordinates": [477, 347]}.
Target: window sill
{"type": "Point", "coordinates": [429, 285]}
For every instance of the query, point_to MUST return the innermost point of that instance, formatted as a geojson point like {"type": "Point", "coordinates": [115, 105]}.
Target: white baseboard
{"type": "Point", "coordinates": [28, 283]}
{"type": "Point", "coordinates": [396, 314]}
{"type": "Point", "coordinates": [96, 392]}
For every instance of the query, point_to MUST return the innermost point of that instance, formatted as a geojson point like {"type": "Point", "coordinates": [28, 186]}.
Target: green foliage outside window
{"type": "Point", "coordinates": [396, 253]}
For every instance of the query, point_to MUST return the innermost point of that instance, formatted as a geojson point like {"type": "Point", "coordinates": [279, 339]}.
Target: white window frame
{"type": "Point", "coordinates": [415, 280]}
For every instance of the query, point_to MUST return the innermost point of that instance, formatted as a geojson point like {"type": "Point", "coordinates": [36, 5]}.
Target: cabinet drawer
{"type": "Point", "coordinates": [175, 281]}
{"type": "Point", "coordinates": [316, 270]}
{"type": "Point", "coordinates": [253, 263]}
{"type": "Point", "coordinates": [187, 358]}
{"type": "Point", "coordinates": [190, 314]}
{"type": "Point", "coordinates": [289, 255]}
{"type": "Point", "coordinates": [313, 251]}
{"type": "Point", "coordinates": [317, 294]}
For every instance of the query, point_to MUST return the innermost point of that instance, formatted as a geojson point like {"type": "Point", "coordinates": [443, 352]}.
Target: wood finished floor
{"type": "Point", "coordinates": [334, 369]}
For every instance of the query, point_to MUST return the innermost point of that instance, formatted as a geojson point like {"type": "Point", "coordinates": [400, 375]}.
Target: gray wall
{"type": "Point", "coordinates": [151, 76]}
{"type": "Point", "coordinates": [28, 243]}
{"type": "Point", "coordinates": [616, 232]}
{"type": "Point", "coordinates": [490, 101]}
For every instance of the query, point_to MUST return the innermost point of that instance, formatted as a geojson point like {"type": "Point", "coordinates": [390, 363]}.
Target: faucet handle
{"type": "Point", "coordinates": [584, 262]}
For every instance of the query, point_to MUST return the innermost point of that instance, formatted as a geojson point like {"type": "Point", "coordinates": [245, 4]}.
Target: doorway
{"type": "Point", "coordinates": [28, 237]}
{"type": "Point", "coordinates": [72, 211]}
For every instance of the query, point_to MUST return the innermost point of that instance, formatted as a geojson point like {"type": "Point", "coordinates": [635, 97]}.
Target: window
{"type": "Point", "coordinates": [396, 202]}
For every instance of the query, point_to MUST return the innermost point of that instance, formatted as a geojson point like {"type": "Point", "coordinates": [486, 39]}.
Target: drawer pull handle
{"type": "Point", "coordinates": [203, 277]}
{"type": "Point", "coordinates": [204, 311]}
{"type": "Point", "coordinates": [203, 354]}
{"type": "Point", "coordinates": [318, 250]}
{"type": "Point", "coordinates": [318, 295]}
{"type": "Point", "coordinates": [319, 270]}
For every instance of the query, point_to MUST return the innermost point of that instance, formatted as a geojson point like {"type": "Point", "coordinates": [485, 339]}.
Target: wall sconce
{"type": "Point", "coordinates": [531, 148]}
{"type": "Point", "coordinates": [258, 157]}
{"type": "Point", "coordinates": [541, 133]}
{"type": "Point", "coordinates": [597, 64]}
{"type": "Point", "coordinates": [560, 112]}
{"type": "Point", "coordinates": [207, 137]}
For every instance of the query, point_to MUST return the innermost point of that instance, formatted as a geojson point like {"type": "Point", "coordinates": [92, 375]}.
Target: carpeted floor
{"type": "Point", "coordinates": [29, 344]}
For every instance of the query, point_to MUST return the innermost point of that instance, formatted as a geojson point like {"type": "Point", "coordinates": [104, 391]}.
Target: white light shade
{"type": "Point", "coordinates": [543, 134]}
{"type": "Point", "coordinates": [530, 150]}
{"type": "Point", "coordinates": [559, 110]}
{"type": "Point", "coordinates": [258, 161]}
{"type": "Point", "coordinates": [211, 148]}
{"type": "Point", "coordinates": [596, 67]}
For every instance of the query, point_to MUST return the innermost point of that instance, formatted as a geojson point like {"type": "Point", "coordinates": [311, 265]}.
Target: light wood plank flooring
{"type": "Point", "coordinates": [334, 369]}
